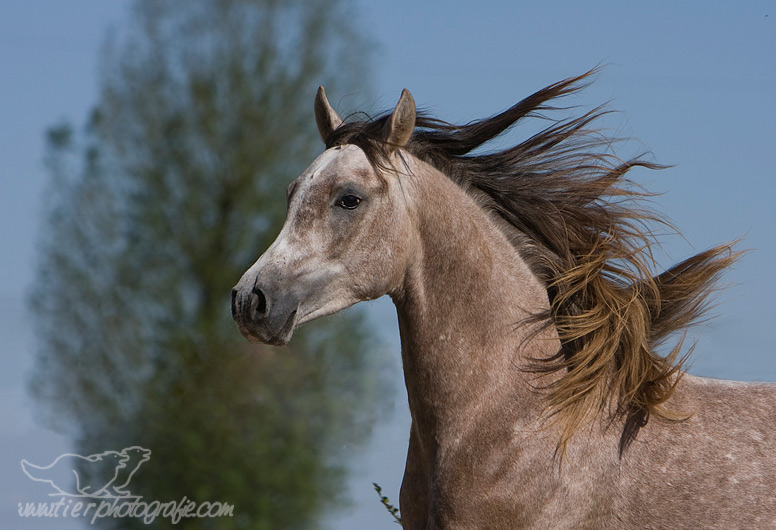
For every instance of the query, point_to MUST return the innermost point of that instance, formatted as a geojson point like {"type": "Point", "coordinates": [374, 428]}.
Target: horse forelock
{"type": "Point", "coordinates": [577, 222]}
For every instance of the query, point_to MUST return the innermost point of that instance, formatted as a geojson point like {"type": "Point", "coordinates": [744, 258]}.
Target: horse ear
{"type": "Point", "coordinates": [326, 117]}
{"type": "Point", "coordinates": [398, 129]}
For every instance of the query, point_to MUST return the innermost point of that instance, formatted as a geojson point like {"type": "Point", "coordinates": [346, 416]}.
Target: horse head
{"type": "Point", "coordinates": [344, 239]}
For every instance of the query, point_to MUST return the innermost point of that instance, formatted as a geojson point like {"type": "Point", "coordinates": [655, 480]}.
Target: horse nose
{"type": "Point", "coordinates": [234, 302]}
{"type": "Point", "coordinates": [264, 312]}
{"type": "Point", "coordinates": [259, 306]}
{"type": "Point", "coordinates": [252, 308]}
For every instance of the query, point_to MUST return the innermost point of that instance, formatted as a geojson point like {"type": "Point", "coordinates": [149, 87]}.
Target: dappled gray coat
{"type": "Point", "coordinates": [529, 318]}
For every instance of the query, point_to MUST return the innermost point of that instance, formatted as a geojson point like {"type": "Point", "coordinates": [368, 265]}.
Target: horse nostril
{"type": "Point", "coordinates": [258, 303]}
{"type": "Point", "coordinates": [234, 303]}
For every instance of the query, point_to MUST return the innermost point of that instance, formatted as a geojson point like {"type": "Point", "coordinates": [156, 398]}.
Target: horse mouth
{"type": "Point", "coordinates": [284, 335]}
{"type": "Point", "coordinates": [259, 331]}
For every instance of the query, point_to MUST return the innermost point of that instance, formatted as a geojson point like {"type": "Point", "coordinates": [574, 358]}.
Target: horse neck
{"type": "Point", "coordinates": [462, 310]}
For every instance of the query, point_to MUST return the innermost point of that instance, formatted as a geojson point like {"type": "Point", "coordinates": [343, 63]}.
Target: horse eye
{"type": "Point", "coordinates": [349, 202]}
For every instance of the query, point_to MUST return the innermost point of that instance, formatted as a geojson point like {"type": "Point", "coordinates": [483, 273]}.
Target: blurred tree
{"type": "Point", "coordinates": [172, 191]}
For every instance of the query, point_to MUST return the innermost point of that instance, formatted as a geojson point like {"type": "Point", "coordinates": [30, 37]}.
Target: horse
{"type": "Point", "coordinates": [535, 328]}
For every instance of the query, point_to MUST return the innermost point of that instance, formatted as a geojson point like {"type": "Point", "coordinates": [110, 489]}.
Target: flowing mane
{"type": "Point", "coordinates": [533, 320]}
{"type": "Point", "coordinates": [563, 200]}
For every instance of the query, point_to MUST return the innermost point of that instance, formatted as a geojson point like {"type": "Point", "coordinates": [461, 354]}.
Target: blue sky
{"type": "Point", "coordinates": [695, 83]}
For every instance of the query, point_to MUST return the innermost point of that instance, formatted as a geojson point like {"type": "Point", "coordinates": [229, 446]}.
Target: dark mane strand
{"type": "Point", "coordinates": [572, 215]}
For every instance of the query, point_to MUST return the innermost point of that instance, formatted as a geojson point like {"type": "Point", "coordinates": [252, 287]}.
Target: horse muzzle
{"type": "Point", "coordinates": [264, 316]}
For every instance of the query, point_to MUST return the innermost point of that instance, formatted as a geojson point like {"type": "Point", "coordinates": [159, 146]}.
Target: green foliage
{"type": "Point", "coordinates": [394, 511]}
{"type": "Point", "coordinates": [173, 189]}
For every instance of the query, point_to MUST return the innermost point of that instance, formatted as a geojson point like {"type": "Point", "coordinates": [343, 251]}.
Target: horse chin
{"type": "Point", "coordinates": [283, 335]}
{"type": "Point", "coordinates": [278, 340]}
{"type": "Point", "coordinates": [260, 332]}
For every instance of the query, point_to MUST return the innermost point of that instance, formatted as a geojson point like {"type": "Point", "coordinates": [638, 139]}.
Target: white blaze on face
{"type": "Point", "coordinates": [293, 243]}
{"type": "Point", "coordinates": [297, 259]}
